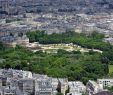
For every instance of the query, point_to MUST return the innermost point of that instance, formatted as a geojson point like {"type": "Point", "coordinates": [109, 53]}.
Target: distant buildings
{"type": "Point", "coordinates": [12, 27]}
{"type": "Point", "coordinates": [4, 6]}
{"type": "Point", "coordinates": [21, 16]}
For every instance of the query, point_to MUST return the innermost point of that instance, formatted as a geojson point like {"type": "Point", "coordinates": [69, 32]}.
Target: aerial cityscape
{"type": "Point", "coordinates": [56, 47]}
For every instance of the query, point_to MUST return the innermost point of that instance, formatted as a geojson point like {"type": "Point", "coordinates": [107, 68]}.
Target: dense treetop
{"type": "Point", "coordinates": [88, 41]}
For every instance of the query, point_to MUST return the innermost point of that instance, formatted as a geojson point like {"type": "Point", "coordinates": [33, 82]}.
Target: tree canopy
{"type": "Point", "coordinates": [72, 65]}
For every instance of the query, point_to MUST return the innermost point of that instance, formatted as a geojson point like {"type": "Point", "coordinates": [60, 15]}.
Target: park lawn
{"type": "Point", "coordinates": [110, 69]}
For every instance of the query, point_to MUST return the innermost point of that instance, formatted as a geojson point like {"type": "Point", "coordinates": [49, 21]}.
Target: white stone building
{"type": "Point", "coordinates": [92, 87]}
{"type": "Point", "coordinates": [64, 84]}
{"type": "Point", "coordinates": [76, 88]}
{"type": "Point", "coordinates": [105, 82]}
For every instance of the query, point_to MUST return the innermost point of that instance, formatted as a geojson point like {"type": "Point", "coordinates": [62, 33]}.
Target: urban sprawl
{"type": "Point", "coordinates": [17, 17]}
{"type": "Point", "coordinates": [20, 16]}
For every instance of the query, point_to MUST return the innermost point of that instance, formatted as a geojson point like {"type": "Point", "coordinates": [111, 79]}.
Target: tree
{"type": "Point", "coordinates": [2, 46]}
{"type": "Point", "coordinates": [91, 52]}
{"type": "Point", "coordinates": [18, 67]}
{"type": "Point", "coordinates": [7, 66]}
{"type": "Point", "coordinates": [59, 93]}
{"type": "Point", "coordinates": [105, 60]}
{"type": "Point", "coordinates": [59, 88]}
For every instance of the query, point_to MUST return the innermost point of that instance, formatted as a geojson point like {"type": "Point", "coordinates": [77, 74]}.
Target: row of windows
{"type": "Point", "coordinates": [104, 82]}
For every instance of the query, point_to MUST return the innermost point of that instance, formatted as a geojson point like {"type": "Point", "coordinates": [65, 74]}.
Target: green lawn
{"type": "Point", "coordinates": [110, 69]}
